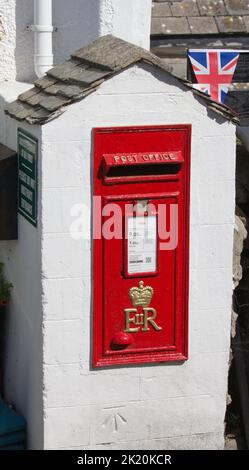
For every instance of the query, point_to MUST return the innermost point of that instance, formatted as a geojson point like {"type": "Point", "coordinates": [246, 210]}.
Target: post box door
{"type": "Point", "coordinates": [140, 247]}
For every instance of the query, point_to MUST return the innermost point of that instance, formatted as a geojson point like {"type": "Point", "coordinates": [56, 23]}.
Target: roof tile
{"type": "Point", "coordinates": [29, 94]}
{"type": "Point", "coordinates": [160, 9]}
{"type": "Point", "coordinates": [19, 110]}
{"type": "Point", "coordinates": [61, 71]}
{"type": "Point", "coordinates": [39, 115]}
{"type": "Point", "coordinates": [44, 82]}
{"type": "Point", "coordinates": [170, 25]}
{"type": "Point", "coordinates": [36, 97]}
{"type": "Point", "coordinates": [68, 91]}
{"type": "Point", "coordinates": [202, 25]}
{"type": "Point", "coordinates": [110, 53]}
{"type": "Point", "coordinates": [237, 7]}
{"type": "Point", "coordinates": [230, 11]}
{"type": "Point", "coordinates": [211, 7]}
{"type": "Point", "coordinates": [48, 98]}
{"type": "Point", "coordinates": [246, 23]}
{"type": "Point", "coordinates": [72, 72]}
{"type": "Point", "coordinates": [184, 8]}
{"type": "Point", "coordinates": [230, 24]}
{"type": "Point", "coordinates": [52, 103]}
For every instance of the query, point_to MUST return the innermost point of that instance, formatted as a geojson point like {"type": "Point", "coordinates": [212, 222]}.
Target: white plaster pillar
{"type": "Point", "coordinates": [129, 20]}
{"type": "Point", "coordinates": [7, 40]}
{"type": "Point", "coordinates": [77, 23]}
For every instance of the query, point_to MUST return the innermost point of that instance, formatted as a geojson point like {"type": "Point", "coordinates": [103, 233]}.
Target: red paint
{"type": "Point", "coordinates": [167, 339]}
{"type": "Point", "coordinates": [131, 159]}
{"type": "Point", "coordinates": [121, 340]}
{"type": "Point", "coordinates": [214, 78]}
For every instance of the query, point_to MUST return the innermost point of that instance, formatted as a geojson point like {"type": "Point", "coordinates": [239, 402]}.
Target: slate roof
{"type": "Point", "coordinates": [200, 17]}
{"type": "Point", "coordinates": [82, 74]}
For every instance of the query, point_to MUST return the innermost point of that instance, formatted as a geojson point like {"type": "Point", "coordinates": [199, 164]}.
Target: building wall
{"type": "Point", "coordinates": [7, 39]}
{"type": "Point", "coordinates": [129, 20]}
{"type": "Point", "coordinates": [78, 22]}
{"type": "Point", "coordinates": [177, 406]}
{"type": "Point", "coordinates": [23, 384]}
{"type": "Point", "coordinates": [9, 91]}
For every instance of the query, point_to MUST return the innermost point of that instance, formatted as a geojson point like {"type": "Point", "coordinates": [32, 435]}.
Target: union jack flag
{"type": "Point", "coordinates": [214, 70]}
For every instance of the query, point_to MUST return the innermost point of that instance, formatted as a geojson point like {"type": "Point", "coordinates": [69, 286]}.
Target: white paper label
{"type": "Point", "coordinates": [142, 244]}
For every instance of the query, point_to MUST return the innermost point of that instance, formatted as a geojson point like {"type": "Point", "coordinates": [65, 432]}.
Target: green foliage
{"type": "Point", "coordinates": [5, 287]}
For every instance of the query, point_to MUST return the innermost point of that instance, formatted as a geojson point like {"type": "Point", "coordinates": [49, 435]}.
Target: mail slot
{"type": "Point", "coordinates": [141, 182]}
{"type": "Point", "coordinates": [119, 168]}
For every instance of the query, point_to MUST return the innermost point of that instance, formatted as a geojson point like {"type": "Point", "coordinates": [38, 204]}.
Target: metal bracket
{"type": "Point", "coordinates": [42, 29]}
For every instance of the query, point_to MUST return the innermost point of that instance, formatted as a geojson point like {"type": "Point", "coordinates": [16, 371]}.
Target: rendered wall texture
{"type": "Point", "coordinates": [77, 23]}
{"type": "Point", "coordinates": [171, 405]}
{"type": "Point", "coordinates": [7, 39]}
{"type": "Point", "coordinates": [67, 405]}
{"type": "Point", "coordinates": [23, 330]}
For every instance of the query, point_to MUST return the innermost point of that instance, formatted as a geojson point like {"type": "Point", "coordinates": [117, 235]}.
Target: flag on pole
{"type": "Point", "coordinates": [214, 70]}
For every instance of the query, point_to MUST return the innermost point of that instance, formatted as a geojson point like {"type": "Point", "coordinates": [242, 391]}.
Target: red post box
{"type": "Point", "coordinates": [140, 244]}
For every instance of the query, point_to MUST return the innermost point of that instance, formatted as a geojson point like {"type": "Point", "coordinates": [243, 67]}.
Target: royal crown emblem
{"type": "Point", "coordinates": [141, 296]}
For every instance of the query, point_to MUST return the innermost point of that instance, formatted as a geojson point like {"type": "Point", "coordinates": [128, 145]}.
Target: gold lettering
{"type": "Point", "coordinates": [150, 319]}
{"type": "Point", "coordinates": [131, 158]}
{"type": "Point", "coordinates": [139, 319]}
{"type": "Point", "coordinates": [116, 158]}
{"type": "Point", "coordinates": [129, 320]}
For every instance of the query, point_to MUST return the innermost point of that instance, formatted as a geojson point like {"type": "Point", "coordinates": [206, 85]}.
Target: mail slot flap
{"type": "Point", "coordinates": [133, 159]}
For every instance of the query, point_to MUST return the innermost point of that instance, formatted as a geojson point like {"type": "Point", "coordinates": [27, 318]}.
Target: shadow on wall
{"type": "Point", "coordinates": [77, 23]}
{"type": "Point", "coordinates": [24, 41]}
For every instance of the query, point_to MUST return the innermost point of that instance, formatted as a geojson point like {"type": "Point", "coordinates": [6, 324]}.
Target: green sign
{"type": "Point", "coordinates": [27, 176]}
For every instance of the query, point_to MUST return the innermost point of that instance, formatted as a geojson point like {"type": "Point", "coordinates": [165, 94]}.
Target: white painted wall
{"type": "Point", "coordinates": [23, 359]}
{"type": "Point", "coordinates": [163, 406]}
{"type": "Point", "coordinates": [166, 406]}
{"type": "Point", "coordinates": [9, 91]}
{"type": "Point", "coordinates": [78, 22]}
{"type": "Point", "coordinates": [129, 20]}
{"type": "Point", "coordinates": [7, 40]}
